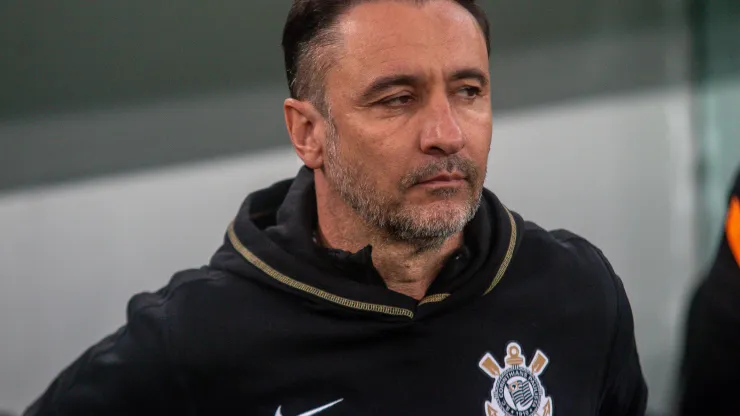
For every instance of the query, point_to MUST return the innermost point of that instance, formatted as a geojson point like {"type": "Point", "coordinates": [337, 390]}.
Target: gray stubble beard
{"type": "Point", "coordinates": [396, 222]}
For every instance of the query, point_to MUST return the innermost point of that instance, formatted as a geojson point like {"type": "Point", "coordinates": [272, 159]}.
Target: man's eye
{"type": "Point", "coordinates": [398, 101]}
{"type": "Point", "coordinates": [469, 92]}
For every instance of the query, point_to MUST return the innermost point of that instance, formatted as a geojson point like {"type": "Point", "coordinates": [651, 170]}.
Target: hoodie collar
{"type": "Point", "coordinates": [297, 221]}
{"type": "Point", "coordinates": [273, 233]}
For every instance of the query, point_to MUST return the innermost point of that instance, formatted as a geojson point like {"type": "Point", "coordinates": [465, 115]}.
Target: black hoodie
{"type": "Point", "coordinates": [710, 367]}
{"type": "Point", "coordinates": [521, 322]}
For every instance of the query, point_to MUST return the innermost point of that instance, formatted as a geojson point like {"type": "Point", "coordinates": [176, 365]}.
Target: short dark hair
{"type": "Point", "coordinates": [308, 31]}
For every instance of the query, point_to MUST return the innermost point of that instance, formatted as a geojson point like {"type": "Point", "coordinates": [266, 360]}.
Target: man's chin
{"type": "Point", "coordinates": [444, 214]}
{"type": "Point", "coordinates": [444, 207]}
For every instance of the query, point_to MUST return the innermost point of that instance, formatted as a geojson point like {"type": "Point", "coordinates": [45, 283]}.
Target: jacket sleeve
{"type": "Point", "coordinates": [625, 390]}
{"type": "Point", "coordinates": [128, 372]}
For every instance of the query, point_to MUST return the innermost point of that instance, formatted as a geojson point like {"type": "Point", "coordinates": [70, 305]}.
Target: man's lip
{"type": "Point", "coordinates": [445, 177]}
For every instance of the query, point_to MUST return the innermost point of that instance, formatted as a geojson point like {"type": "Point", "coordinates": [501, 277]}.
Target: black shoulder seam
{"type": "Point", "coordinates": [569, 237]}
{"type": "Point", "coordinates": [162, 296]}
{"type": "Point", "coordinates": [184, 277]}
{"type": "Point", "coordinates": [566, 236]}
{"type": "Point", "coordinates": [178, 281]}
{"type": "Point", "coordinates": [618, 316]}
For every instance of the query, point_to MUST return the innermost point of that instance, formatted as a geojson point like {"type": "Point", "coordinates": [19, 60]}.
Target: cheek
{"type": "Point", "coordinates": [476, 120]}
{"type": "Point", "coordinates": [381, 153]}
{"type": "Point", "coordinates": [478, 133]}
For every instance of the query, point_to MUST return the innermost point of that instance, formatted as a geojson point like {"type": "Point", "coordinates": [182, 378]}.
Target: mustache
{"type": "Point", "coordinates": [449, 164]}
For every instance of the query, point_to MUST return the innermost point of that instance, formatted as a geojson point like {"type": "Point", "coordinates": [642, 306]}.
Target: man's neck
{"type": "Point", "coordinates": [404, 267]}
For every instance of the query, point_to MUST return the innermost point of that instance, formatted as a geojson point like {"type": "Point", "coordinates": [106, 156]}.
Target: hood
{"type": "Point", "coordinates": [271, 241]}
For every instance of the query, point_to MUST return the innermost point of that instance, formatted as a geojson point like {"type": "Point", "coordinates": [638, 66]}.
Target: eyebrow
{"type": "Point", "coordinates": [385, 82]}
{"type": "Point", "coordinates": [470, 73]}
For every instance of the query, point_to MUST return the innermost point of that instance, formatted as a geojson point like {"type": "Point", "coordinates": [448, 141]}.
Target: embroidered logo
{"type": "Point", "coordinates": [517, 390]}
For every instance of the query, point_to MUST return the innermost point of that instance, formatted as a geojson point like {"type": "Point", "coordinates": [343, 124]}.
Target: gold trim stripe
{"type": "Point", "coordinates": [434, 298]}
{"type": "Point", "coordinates": [507, 258]}
{"type": "Point", "coordinates": [364, 306]}
{"type": "Point", "coordinates": [353, 304]}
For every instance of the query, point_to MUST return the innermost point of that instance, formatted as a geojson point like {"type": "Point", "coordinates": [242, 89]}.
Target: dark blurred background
{"type": "Point", "coordinates": [130, 131]}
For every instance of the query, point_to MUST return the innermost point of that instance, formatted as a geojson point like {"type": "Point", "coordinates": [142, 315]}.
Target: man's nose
{"type": "Point", "coordinates": [441, 133]}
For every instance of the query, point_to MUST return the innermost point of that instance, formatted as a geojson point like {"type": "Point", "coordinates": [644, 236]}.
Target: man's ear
{"type": "Point", "coordinates": [306, 129]}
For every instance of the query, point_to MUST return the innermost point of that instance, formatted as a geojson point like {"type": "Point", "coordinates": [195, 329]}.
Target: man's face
{"type": "Point", "coordinates": [410, 117]}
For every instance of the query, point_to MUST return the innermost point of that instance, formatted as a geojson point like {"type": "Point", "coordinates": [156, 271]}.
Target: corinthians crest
{"type": "Point", "coordinates": [517, 390]}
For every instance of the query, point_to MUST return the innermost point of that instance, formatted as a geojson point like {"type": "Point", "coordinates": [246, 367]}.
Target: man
{"type": "Point", "coordinates": [383, 279]}
{"type": "Point", "coordinates": [711, 360]}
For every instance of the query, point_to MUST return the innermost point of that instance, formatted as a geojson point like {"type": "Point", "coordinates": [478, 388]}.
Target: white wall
{"type": "Point", "coordinates": [70, 257]}
{"type": "Point", "coordinates": [616, 170]}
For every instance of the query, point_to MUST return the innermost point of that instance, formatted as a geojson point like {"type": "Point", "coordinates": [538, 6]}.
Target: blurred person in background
{"type": "Point", "coordinates": [710, 368]}
{"type": "Point", "coordinates": [383, 279]}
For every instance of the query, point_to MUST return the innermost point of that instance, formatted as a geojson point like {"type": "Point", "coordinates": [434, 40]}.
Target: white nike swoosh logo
{"type": "Point", "coordinates": [312, 412]}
